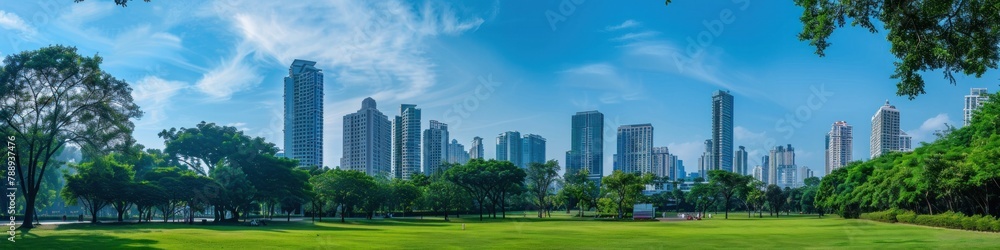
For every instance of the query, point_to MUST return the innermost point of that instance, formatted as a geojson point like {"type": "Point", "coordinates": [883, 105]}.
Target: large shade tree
{"type": "Point", "coordinates": [52, 97]}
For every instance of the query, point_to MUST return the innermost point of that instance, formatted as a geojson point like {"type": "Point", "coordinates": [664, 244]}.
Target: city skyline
{"type": "Point", "coordinates": [234, 77]}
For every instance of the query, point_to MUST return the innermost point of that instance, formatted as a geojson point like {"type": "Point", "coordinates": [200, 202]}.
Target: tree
{"type": "Point", "coordinates": [775, 199]}
{"type": "Point", "coordinates": [52, 97]}
{"type": "Point", "coordinates": [237, 193]}
{"type": "Point", "coordinates": [727, 184]}
{"type": "Point", "coordinates": [94, 184]}
{"type": "Point", "coordinates": [443, 195]}
{"type": "Point", "coordinates": [624, 188]}
{"type": "Point", "coordinates": [404, 194]}
{"type": "Point", "coordinates": [585, 191]}
{"type": "Point", "coordinates": [952, 36]}
{"type": "Point", "coordinates": [753, 196]}
{"type": "Point", "coordinates": [203, 147]}
{"type": "Point", "coordinates": [703, 196]}
{"type": "Point", "coordinates": [540, 179]}
{"type": "Point", "coordinates": [346, 188]}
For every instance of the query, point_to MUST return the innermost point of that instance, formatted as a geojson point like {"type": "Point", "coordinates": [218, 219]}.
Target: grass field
{"type": "Point", "coordinates": [559, 232]}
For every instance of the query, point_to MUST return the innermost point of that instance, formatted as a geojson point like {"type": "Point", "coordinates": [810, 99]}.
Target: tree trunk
{"type": "Point", "coordinates": [29, 209]}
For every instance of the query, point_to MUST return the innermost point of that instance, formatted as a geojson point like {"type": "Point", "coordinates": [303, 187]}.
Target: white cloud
{"type": "Point", "coordinates": [744, 134]}
{"type": "Point", "coordinates": [689, 152]}
{"type": "Point", "coordinates": [241, 126]}
{"type": "Point", "coordinates": [627, 24]}
{"type": "Point", "coordinates": [927, 129]}
{"type": "Point", "coordinates": [635, 36]}
{"type": "Point", "coordinates": [153, 95]}
{"type": "Point", "coordinates": [229, 77]}
{"type": "Point", "coordinates": [14, 22]}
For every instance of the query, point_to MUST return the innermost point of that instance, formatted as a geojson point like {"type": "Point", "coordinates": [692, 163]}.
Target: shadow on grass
{"type": "Point", "coordinates": [147, 227]}
{"type": "Point", "coordinates": [90, 241]}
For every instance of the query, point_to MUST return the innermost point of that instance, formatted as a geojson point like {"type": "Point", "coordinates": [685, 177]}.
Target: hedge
{"type": "Point", "coordinates": [946, 220]}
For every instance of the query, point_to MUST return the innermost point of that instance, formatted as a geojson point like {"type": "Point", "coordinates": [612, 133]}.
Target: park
{"type": "Point", "coordinates": [558, 232]}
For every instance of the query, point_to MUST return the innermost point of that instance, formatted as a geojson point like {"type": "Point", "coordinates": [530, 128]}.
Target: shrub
{"type": "Point", "coordinates": [946, 220]}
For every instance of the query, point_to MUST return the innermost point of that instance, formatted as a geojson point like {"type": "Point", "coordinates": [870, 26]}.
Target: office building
{"type": "Point", "coordinates": [587, 144]}
{"type": "Point", "coordinates": [663, 162]}
{"type": "Point", "coordinates": [705, 161]}
{"type": "Point", "coordinates": [532, 149]}
{"type": "Point", "coordinates": [839, 146]}
{"type": "Point", "coordinates": [885, 131]}
{"type": "Point", "coordinates": [367, 141]}
{"type": "Point", "coordinates": [635, 149]}
{"type": "Point", "coordinates": [456, 153]}
{"type": "Point", "coordinates": [765, 165]}
{"type": "Point", "coordinates": [476, 149]}
{"type": "Point", "coordinates": [782, 171]}
{"type": "Point", "coordinates": [741, 161]}
{"type": "Point", "coordinates": [805, 173]}
{"type": "Point", "coordinates": [435, 147]}
{"type": "Point", "coordinates": [509, 148]}
{"type": "Point", "coordinates": [722, 131]}
{"type": "Point", "coordinates": [406, 142]}
{"type": "Point", "coordinates": [976, 99]}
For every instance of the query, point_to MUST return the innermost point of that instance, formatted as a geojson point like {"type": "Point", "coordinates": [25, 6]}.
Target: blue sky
{"type": "Point", "coordinates": [485, 67]}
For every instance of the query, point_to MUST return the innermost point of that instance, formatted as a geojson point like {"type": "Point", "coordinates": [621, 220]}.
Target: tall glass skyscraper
{"type": "Point", "coordinates": [587, 144]}
{"type": "Point", "coordinates": [722, 130]}
{"type": "Point", "coordinates": [635, 149]}
{"type": "Point", "coordinates": [532, 149]}
{"type": "Point", "coordinates": [367, 141]}
{"type": "Point", "coordinates": [783, 170]}
{"type": "Point", "coordinates": [435, 147]}
{"type": "Point", "coordinates": [509, 148]}
{"type": "Point", "coordinates": [304, 113]}
{"type": "Point", "coordinates": [406, 142]}
{"type": "Point", "coordinates": [741, 162]}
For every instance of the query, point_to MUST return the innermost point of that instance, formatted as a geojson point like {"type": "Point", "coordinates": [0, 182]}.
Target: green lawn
{"type": "Point", "coordinates": [561, 232]}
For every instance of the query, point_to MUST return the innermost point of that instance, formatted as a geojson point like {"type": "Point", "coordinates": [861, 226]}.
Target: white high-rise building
{"type": "Point", "coordinates": [839, 146]}
{"type": "Point", "coordinates": [705, 162]}
{"type": "Point", "coordinates": [905, 142]}
{"type": "Point", "coordinates": [663, 163]}
{"type": "Point", "coordinates": [435, 147]}
{"type": "Point", "coordinates": [406, 142]}
{"type": "Point", "coordinates": [977, 98]}
{"type": "Point", "coordinates": [885, 131]}
{"type": "Point", "coordinates": [367, 141]}
{"type": "Point", "coordinates": [476, 149]}
{"type": "Point", "coordinates": [635, 149]}
{"type": "Point", "coordinates": [304, 113]}
{"type": "Point", "coordinates": [805, 173]}
{"type": "Point", "coordinates": [509, 148]}
{"type": "Point", "coordinates": [758, 173]}
{"type": "Point", "coordinates": [782, 171]}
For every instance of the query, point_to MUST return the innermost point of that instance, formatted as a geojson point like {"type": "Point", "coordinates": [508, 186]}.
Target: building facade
{"type": "Point", "coordinates": [765, 167]}
{"type": "Point", "coordinates": [406, 142]}
{"type": "Point", "coordinates": [783, 171]}
{"type": "Point", "coordinates": [975, 99]}
{"type": "Point", "coordinates": [705, 161]}
{"type": "Point", "coordinates": [587, 144]}
{"type": "Point", "coordinates": [509, 148]}
{"type": "Point", "coordinates": [722, 131]}
{"type": "Point", "coordinates": [741, 161]}
{"type": "Point", "coordinates": [663, 163]}
{"type": "Point", "coordinates": [532, 149]}
{"type": "Point", "coordinates": [456, 153]}
{"type": "Point", "coordinates": [304, 113]}
{"type": "Point", "coordinates": [435, 147]}
{"type": "Point", "coordinates": [367, 141]}
{"type": "Point", "coordinates": [635, 149]}
{"type": "Point", "coordinates": [905, 142]}
{"type": "Point", "coordinates": [885, 131]}
{"type": "Point", "coordinates": [476, 149]}
{"type": "Point", "coordinates": [839, 146]}
{"type": "Point", "coordinates": [805, 173]}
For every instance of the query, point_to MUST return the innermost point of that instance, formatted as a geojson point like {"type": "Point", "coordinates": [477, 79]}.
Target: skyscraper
{"type": "Point", "coordinates": [839, 146]}
{"type": "Point", "coordinates": [532, 149]}
{"type": "Point", "coordinates": [759, 173]}
{"type": "Point", "coordinates": [905, 142]}
{"type": "Point", "coordinates": [509, 148]}
{"type": "Point", "coordinates": [722, 131]}
{"type": "Point", "coordinates": [456, 153]}
{"type": "Point", "coordinates": [367, 141]}
{"type": "Point", "coordinates": [976, 98]}
{"type": "Point", "coordinates": [476, 149]}
{"type": "Point", "coordinates": [304, 113]}
{"type": "Point", "coordinates": [435, 147]}
{"type": "Point", "coordinates": [804, 173]}
{"type": "Point", "coordinates": [765, 168]}
{"type": "Point", "coordinates": [406, 142]}
{"type": "Point", "coordinates": [782, 171]}
{"type": "Point", "coordinates": [885, 130]}
{"type": "Point", "coordinates": [587, 144]}
{"type": "Point", "coordinates": [635, 149]}
{"type": "Point", "coordinates": [663, 163]}
{"type": "Point", "coordinates": [680, 170]}
{"type": "Point", "coordinates": [741, 161]}
{"type": "Point", "coordinates": [705, 161]}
